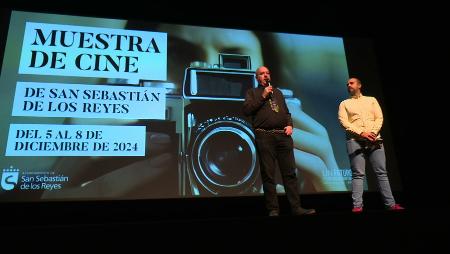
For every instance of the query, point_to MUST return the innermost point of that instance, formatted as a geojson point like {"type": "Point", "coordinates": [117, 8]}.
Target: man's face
{"type": "Point", "coordinates": [263, 75]}
{"type": "Point", "coordinates": [353, 86]}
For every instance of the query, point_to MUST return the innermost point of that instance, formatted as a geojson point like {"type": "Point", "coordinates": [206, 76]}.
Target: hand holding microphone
{"type": "Point", "coordinates": [269, 85]}
{"type": "Point", "coordinates": [268, 90]}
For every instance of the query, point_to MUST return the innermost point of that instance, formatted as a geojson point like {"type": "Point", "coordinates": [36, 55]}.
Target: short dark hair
{"type": "Point", "coordinates": [357, 79]}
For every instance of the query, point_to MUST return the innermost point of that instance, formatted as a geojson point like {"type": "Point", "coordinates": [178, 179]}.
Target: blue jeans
{"type": "Point", "coordinates": [358, 152]}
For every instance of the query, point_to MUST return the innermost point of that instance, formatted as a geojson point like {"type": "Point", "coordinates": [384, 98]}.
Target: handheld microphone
{"type": "Point", "coordinates": [269, 84]}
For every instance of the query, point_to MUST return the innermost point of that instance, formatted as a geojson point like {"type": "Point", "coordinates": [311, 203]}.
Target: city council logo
{"type": "Point", "coordinates": [10, 177]}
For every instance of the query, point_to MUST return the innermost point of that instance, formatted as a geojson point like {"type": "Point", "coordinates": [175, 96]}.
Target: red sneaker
{"type": "Point", "coordinates": [396, 207]}
{"type": "Point", "coordinates": [357, 210]}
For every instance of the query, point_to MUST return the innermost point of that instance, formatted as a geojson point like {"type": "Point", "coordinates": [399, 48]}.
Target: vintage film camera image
{"type": "Point", "coordinates": [216, 144]}
{"type": "Point", "coordinates": [219, 154]}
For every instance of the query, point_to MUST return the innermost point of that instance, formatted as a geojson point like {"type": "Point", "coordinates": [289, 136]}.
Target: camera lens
{"type": "Point", "coordinates": [223, 155]}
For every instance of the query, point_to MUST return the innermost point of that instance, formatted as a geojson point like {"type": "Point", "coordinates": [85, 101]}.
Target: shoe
{"type": "Point", "coordinates": [357, 210]}
{"type": "Point", "coordinates": [274, 213]}
{"type": "Point", "coordinates": [302, 211]}
{"type": "Point", "coordinates": [396, 207]}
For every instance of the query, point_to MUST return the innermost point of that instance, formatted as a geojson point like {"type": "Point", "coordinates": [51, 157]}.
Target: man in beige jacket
{"type": "Point", "coordinates": [362, 119]}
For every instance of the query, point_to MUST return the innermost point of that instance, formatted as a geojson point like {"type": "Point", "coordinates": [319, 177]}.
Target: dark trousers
{"type": "Point", "coordinates": [274, 147]}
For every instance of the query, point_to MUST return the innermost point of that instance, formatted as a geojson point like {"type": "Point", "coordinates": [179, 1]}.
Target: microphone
{"type": "Point", "coordinates": [269, 84]}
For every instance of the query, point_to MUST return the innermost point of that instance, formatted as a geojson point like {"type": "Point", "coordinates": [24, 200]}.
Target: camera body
{"type": "Point", "coordinates": [218, 145]}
